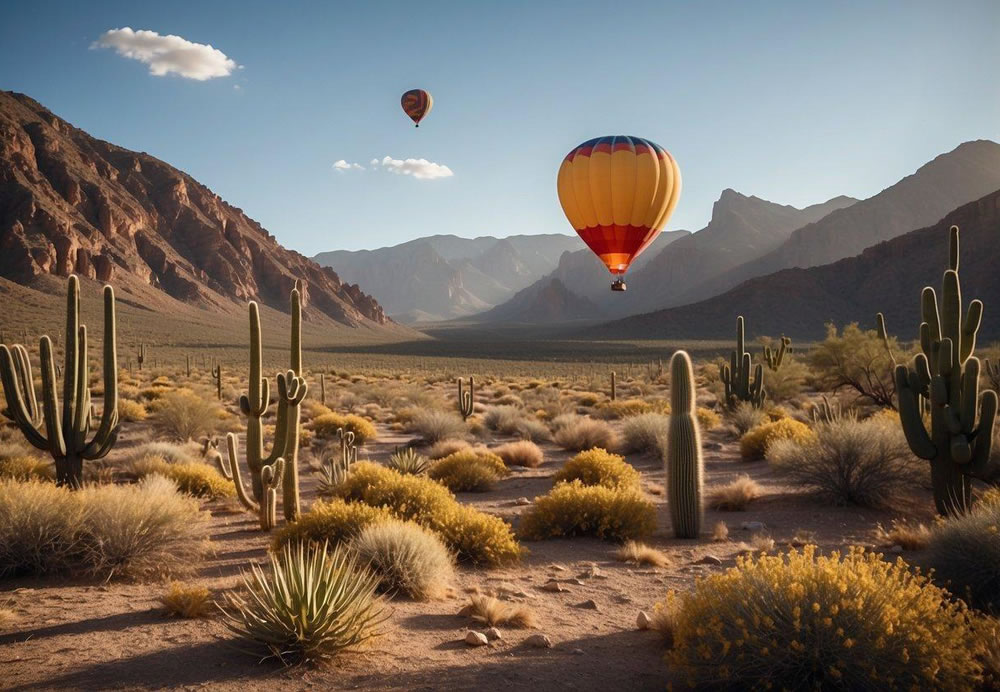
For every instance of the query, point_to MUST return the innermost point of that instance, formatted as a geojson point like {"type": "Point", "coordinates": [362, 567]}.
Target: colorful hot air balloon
{"type": "Point", "coordinates": [618, 193]}
{"type": "Point", "coordinates": [417, 104]}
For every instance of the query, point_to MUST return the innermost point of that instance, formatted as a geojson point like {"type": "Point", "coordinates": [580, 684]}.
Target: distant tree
{"type": "Point", "coordinates": [858, 360]}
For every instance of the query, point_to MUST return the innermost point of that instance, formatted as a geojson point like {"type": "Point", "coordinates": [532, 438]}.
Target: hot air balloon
{"type": "Point", "coordinates": [618, 193]}
{"type": "Point", "coordinates": [417, 104]}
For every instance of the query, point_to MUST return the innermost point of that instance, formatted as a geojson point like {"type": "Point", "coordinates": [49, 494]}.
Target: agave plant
{"type": "Point", "coordinates": [407, 461]}
{"type": "Point", "coordinates": [313, 604]}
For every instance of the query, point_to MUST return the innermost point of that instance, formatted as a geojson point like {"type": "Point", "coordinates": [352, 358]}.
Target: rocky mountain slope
{"type": "Point", "coordinates": [887, 277]}
{"type": "Point", "coordinates": [960, 176]}
{"type": "Point", "coordinates": [73, 203]}
{"type": "Point", "coordinates": [544, 302]}
{"type": "Point", "coordinates": [444, 276]}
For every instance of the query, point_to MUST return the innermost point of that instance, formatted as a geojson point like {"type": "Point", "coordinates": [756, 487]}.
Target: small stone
{"type": "Point", "coordinates": [709, 560]}
{"type": "Point", "coordinates": [711, 445]}
{"type": "Point", "coordinates": [643, 621]}
{"type": "Point", "coordinates": [590, 604]}
{"type": "Point", "coordinates": [539, 641]}
{"type": "Point", "coordinates": [476, 639]}
{"type": "Point", "coordinates": [553, 586]}
{"type": "Point", "coordinates": [591, 572]}
{"type": "Point", "coordinates": [557, 568]}
{"type": "Point", "coordinates": [578, 652]}
{"type": "Point", "coordinates": [522, 501]}
{"type": "Point", "coordinates": [753, 526]}
{"type": "Point", "coordinates": [575, 582]}
{"type": "Point", "coordinates": [493, 634]}
{"type": "Point", "coordinates": [896, 549]}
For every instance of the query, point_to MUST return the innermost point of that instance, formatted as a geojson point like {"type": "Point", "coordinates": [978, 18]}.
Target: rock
{"type": "Point", "coordinates": [896, 549]}
{"type": "Point", "coordinates": [557, 568]}
{"type": "Point", "coordinates": [521, 501]}
{"type": "Point", "coordinates": [492, 634]}
{"type": "Point", "coordinates": [476, 639]}
{"type": "Point", "coordinates": [575, 582]}
{"type": "Point", "coordinates": [578, 652]}
{"type": "Point", "coordinates": [709, 560]}
{"type": "Point", "coordinates": [590, 604]}
{"type": "Point", "coordinates": [714, 446]}
{"type": "Point", "coordinates": [539, 641]}
{"type": "Point", "coordinates": [592, 572]}
{"type": "Point", "coordinates": [554, 587]}
{"type": "Point", "coordinates": [753, 526]}
{"type": "Point", "coordinates": [643, 621]}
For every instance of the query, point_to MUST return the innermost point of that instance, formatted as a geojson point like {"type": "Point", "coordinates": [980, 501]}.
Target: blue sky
{"type": "Point", "coordinates": [794, 102]}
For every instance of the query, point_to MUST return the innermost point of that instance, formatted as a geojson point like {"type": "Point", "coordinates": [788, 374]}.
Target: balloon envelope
{"type": "Point", "coordinates": [417, 103]}
{"type": "Point", "coordinates": [618, 193]}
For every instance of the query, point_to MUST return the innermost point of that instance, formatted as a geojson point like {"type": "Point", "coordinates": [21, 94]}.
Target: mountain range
{"type": "Point", "coordinates": [71, 203]}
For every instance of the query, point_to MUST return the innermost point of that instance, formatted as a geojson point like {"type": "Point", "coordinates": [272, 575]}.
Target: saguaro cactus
{"type": "Point", "coordinates": [67, 423]}
{"type": "Point", "coordinates": [187, 364]}
{"type": "Point", "coordinates": [466, 398]}
{"type": "Point", "coordinates": [322, 389]}
{"type": "Point", "coordinates": [270, 478]}
{"type": "Point", "coordinates": [140, 355]}
{"type": "Point", "coordinates": [957, 444]}
{"type": "Point", "coordinates": [775, 357]}
{"type": "Point", "coordinates": [614, 386]}
{"type": "Point", "coordinates": [683, 457]}
{"type": "Point", "coordinates": [740, 386]}
{"type": "Point", "coordinates": [254, 404]}
{"type": "Point", "coordinates": [217, 374]}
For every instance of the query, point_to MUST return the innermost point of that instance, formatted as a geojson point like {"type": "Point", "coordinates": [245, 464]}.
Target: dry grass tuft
{"type": "Point", "coordinates": [720, 532]}
{"type": "Point", "coordinates": [909, 536]}
{"type": "Point", "coordinates": [185, 601]}
{"type": "Point", "coordinates": [185, 415]}
{"type": "Point", "coordinates": [520, 453]}
{"type": "Point", "coordinates": [407, 558]}
{"type": "Point", "coordinates": [445, 448]}
{"type": "Point", "coordinates": [585, 433]}
{"type": "Point", "coordinates": [735, 496]}
{"type": "Point", "coordinates": [492, 611]}
{"type": "Point", "coordinates": [641, 554]}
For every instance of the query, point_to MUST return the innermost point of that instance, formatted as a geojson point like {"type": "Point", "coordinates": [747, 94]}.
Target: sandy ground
{"type": "Point", "coordinates": [85, 635]}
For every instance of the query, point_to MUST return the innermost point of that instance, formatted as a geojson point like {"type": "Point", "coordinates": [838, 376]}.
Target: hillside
{"type": "Point", "coordinates": [887, 277]}
{"type": "Point", "coordinates": [444, 276]}
{"type": "Point", "coordinates": [544, 302]}
{"type": "Point", "coordinates": [73, 203]}
{"type": "Point", "coordinates": [960, 176]}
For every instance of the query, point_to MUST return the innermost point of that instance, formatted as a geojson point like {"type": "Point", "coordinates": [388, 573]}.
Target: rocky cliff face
{"type": "Point", "coordinates": [70, 203]}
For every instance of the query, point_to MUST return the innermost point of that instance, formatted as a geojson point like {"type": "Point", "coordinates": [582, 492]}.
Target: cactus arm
{"type": "Point", "coordinates": [81, 407]}
{"type": "Point", "coordinates": [108, 428]}
{"type": "Point", "coordinates": [232, 445]}
{"type": "Point", "coordinates": [70, 381]}
{"type": "Point", "coordinates": [983, 442]}
{"type": "Point", "coordinates": [29, 425]}
{"type": "Point", "coordinates": [26, 383]}
{"type": "Point", "coordinates": [50, 407]}
{"type": "Point", "coordinates": [970, 396]}
{"type": "Point", "coordinates": [929, 314]}
{"type": "Point", "coordinates": [909, 415]}
{"type": "Point", "coordinates": [296, 338]}
{"type": "Point", "coordinates": [291, 390]}
{"type": "Point", "coordinates": [970, 327]}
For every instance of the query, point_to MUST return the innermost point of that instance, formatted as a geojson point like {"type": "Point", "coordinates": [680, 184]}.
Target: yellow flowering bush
{"type": "Point", "coordinates": [330, 521]}
{"type": "Point", "coordinates": [623, 408]}
{"type": "Point", "coordinates": [575, 509]}
{"type": "Point", "coordinates": [26, 467]}
{"type": "Point", "coordinates": [801, 621]}
{"type": "Point", "coordinates": [192, 477]}
{"type": "Point", "coordinates": [707, 418]}
{"type": "Point", "coordinates": [754, 443]}
{"type": "Point", "coordinates": [599, 467]}
{"type": "Point", "coordinates": [326, 425]}
{"type": "Point", "coordinates": [473, 535]}
{"type": "Point", "coordinates": [469, 470]}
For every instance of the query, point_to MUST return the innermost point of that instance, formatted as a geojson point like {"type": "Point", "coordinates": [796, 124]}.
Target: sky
{"type": "Point", "coordinates": [789, 101]}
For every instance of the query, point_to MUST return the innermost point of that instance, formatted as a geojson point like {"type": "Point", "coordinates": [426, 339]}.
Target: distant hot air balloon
{"type": "Point", "coordinates": [417, 104]}
{"type": "Point", "coordinates": [618, 193]}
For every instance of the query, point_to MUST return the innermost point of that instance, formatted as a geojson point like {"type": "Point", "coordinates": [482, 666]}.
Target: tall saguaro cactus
{"type": "Point", "coordinates": [684, 463]}
{"type": "Point", "coordinates": [254, 404]}
{"type": "Point", "coordinates": [775, 357]}
{"type": "Point", "coordinates": [740, 385]}
{"type": "Point", "coordinates": [217, 375]}
{"type": "Point", "coordinates": [958, 440]}
{"type": "Point", "coordinates": [140, 355]}
{"type": "Point", "coordinates": [67, 423]}
{"type": "Point", "coordinates": [466, 398]}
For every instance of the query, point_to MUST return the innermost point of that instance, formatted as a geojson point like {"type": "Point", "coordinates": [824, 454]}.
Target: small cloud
{"type": "Point", "coordinates": [237, 87]}
{"type": "Point", "coordinates": [422, 169]}
{"type": "Point", "coordinates": [168, 54]}
{"type": "Point", "coordinates": [343, 165]}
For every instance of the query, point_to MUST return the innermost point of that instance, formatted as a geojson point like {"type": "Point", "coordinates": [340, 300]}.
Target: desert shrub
{"type": "Point", "coordinates": [851, 462]}
{"type": "Point", "coordinates": [641, 554]}
{"type": "Point", "coordinates": [434, 425]}
{"type": "Point", "coordinates": [131, 411]}
{"type": "Point", "coordinates": [854, 360]}
{"type": "Point", "coordinates": [575, 509]}
{"type": "Point", "coordinates": [964, 552]}
{"type": "Point", "coordinates": [520, 453]}
{"type": "Point", "coordinates": [511, 420]}
{"type": "Point", "coordinates": [473, 535]}
{"type": "Point", "coordinates": [469, 471]}
{"type": "Point", "coordinates": [599, 467]}
{"type": "Point", "coordinates": [327, 424]}
{"type": "Point", "coordinates": [330, 521]}
{"type": "Point", "coordinates": [39, 527]}
{"type": "Point", "coordinates": [755, 442]}
{"type": "Point", "coordinates": [624, 408]}
{"type": "Point", "coordinates": [168, 451]}
{"type": "Point", "coordinates": [837, 622]}
{"type": "Point", "coordinates": [707, 418]}
{"type": "Point", "coordinates": [532, 430]}
{"type": "Point", "coordinates": [184, 415]}
{"type": "Point", "coordinates": [641, 433]}
{"type": "Point", "coordinates": [26, 467]}
{"type": "Point", "coordinates": [446, 448]}
{"type": "Point", "coordinates": [735, 495]}
{"type": "Point", "coordinates": [588, 398]}
{"type": "Point", "coordinates": [311, 605]}
{"type": "Point", "coordinates": [586, 433]}
{"type": "Point", "coordinates": [142, 530]}
{"type": "Point", "coordinates": [491, 611]}
{"type": "Point", "coordinates": [192, 477]}
{"type": "Point", "coordinates": [745, 417]}
{"type": "Point", "coordinates": [407, 460]}
{"type": "Point", "coordinates": [407, 558]}
{"type": "Point", "coordinates": [186, 601]}
{"type": "Point", "coordinates": [907, 535]}
{"type": "Point", "coordinates": [788, 381]}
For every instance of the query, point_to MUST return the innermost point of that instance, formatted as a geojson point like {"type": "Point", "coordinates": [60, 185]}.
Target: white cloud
{"type": "Point", "coordinates": [343, 165]}
{"type": "Point", "coordinates": [168, 54]}
{"type": "Point", "coordinates": [421, 169]}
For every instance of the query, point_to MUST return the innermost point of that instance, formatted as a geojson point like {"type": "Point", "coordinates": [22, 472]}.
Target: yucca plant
{"type": "Point", "coordinates": [407, 461]}
{"type": "Point", "coordinates": [313, 604]}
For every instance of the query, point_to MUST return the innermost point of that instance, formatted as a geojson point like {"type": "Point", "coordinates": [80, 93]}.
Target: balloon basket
{"type": "Point", "coordinates": [619, 285]}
